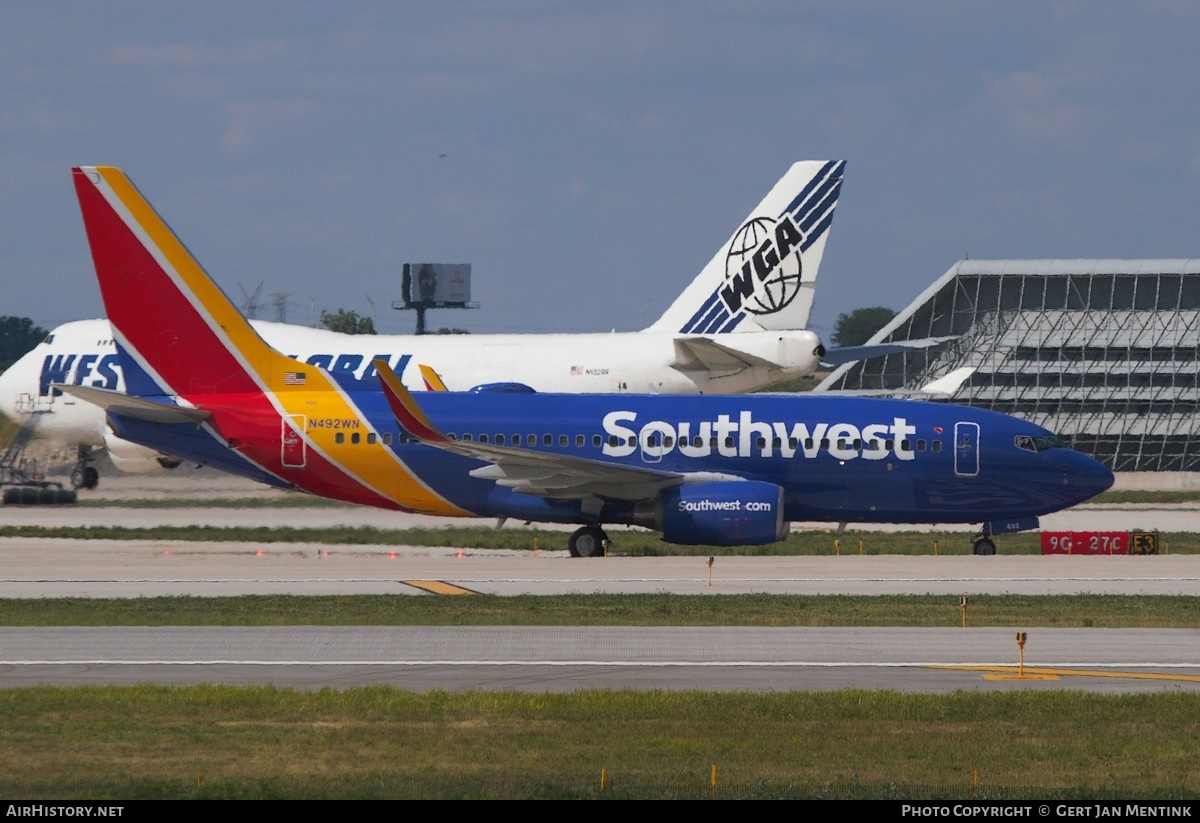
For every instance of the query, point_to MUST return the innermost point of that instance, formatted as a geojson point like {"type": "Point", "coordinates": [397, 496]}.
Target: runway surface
{"type": "Point", "coordinates": [569, 658]}
{"type": "Point", "coordinates": [558, 659]}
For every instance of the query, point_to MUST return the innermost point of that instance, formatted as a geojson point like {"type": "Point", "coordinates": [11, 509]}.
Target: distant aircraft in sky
{"type": "Point", "coordinates": [739, 326]}
{"type": "Point", "coordinates": [716, 469]}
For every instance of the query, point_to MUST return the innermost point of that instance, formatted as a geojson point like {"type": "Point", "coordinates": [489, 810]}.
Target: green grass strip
{"type": "Point", "coordinates": [1107, 611]}
{"type": "Point", "coordinates": [201, 742]}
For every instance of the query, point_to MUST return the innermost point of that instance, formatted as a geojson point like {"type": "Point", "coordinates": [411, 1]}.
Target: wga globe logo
{"type": "Point", "coordinates": [762, 266]}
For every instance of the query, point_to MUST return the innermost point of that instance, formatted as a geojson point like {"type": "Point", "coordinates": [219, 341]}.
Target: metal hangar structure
{"type": "Point", "coordinates": [1105, 353]}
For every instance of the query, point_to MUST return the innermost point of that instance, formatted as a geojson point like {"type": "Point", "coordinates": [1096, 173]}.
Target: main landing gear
{"type": "Point", "coordinates": [983, 544]}
{"type": "Point", "coordinates": [588, 541]}
{"type": "Point", "coordinates": [84, 475]}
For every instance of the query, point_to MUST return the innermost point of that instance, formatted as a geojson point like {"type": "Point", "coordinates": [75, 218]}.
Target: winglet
{"type": "Point", "coordinates": [405, 409]}
{"type": "Point", "coordinates": [433, 381]}
{"type": "Point", "coordinates": [950, 383]}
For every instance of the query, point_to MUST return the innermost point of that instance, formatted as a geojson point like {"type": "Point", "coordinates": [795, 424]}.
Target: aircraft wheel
{"type": "Point", "coordinates": [587, 542]}
{"type": "Point", "coordinates": [985, 547]}
{"type": "Point", "coordinates": [77, 477]}
{"type": "Point", "coordinates": [91, 477]}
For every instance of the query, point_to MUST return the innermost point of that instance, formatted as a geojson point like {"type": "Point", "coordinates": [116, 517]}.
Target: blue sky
{"type": "Point", "coordinates": [596, 154]}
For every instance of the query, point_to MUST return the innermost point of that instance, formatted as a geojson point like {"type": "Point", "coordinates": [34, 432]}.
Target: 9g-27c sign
{"type": "Point", "coordinates": [1099, 543]}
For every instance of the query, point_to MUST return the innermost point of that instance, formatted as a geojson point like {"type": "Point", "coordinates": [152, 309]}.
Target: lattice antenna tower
{"type": "Point", "coordinates": [280, 299]}
{"type": "Point", "coordinates": [250, 302]}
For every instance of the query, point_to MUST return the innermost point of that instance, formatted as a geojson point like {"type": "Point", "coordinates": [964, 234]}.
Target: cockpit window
{"type": "Point", "coordinates": [1038, 444]}
{"type": "Point", "coordinates": [49, 339]}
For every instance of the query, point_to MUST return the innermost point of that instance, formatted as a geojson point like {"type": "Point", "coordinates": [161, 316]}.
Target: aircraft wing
{"type": "Point", "coordinates": [705, 354]}
{"type": "Point", "coordinates": [136, 407]}
{"type": "Point", "coordinates": [940, 389]}
{"type": "Point", "coordinates": [524, 470]}
{"type": "Point", "coordinates": [849, 354]}
{"type": "Point", "coordinates": [562, 477]}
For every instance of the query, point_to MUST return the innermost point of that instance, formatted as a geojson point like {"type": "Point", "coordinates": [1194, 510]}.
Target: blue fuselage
{"type": "Point", "coordinates": [835, 458]}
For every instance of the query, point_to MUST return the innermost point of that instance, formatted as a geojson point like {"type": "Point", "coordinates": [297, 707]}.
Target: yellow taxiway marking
{"type": "Point", "coordinates": [1030, 673]}
{"type": "Point", "coordinates": [437, 587]}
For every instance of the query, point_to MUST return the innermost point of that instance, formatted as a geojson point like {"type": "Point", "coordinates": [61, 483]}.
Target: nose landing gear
{"type": "Point", "coordinates": [983, 545]}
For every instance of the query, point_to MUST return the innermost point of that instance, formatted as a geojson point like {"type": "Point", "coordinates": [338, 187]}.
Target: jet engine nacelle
{"type": "Point", "coordinates": [130, 457]}
{"type": "Point", "coordinates": [719, 513]}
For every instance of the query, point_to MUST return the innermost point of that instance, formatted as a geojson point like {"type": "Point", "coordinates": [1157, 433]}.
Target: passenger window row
{"type": "Point", "coordinates": [531, 440]}
{"type": "Point", "coordinates": [371, 438]}
{"type": "Point", "coordinates": [655, 441]}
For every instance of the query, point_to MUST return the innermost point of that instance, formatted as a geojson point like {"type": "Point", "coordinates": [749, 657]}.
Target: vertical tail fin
{"type": "Point", "coordinates": [177, 331]}
{"type": "Point", "coordinates": [763, 277]}
{"type": "Point", "coordinates": [180, 336]}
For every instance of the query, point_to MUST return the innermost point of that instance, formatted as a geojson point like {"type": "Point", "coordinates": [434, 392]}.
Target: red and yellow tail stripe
{"type": "Point", "coordinates": [194, 344]}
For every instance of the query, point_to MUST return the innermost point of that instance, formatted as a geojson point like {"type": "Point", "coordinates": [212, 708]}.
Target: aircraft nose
{"type": "Point", "coordinates": [1085, 476]}
{"type": "Point", "coordinates": [8, 391]}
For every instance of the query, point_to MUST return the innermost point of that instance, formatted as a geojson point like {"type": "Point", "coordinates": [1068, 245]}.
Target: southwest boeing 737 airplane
{"type": "Point", "coordinates": [738, 327]}
{"type": "Point", "coordinates": [730, 470]}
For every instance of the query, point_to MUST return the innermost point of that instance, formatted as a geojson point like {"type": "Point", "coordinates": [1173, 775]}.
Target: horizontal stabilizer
{"type": "Point", "coordinates": [138, 408]}
{"type": "Point", "coordinates": [706, 355]}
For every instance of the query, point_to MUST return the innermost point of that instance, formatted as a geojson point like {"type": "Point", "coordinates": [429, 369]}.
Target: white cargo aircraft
{"type": "Point", "coordinates": [739, 326]}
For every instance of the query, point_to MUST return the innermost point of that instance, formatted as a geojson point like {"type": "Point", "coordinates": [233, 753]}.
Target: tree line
{"type": "Point", "coordinates": [17, 336]}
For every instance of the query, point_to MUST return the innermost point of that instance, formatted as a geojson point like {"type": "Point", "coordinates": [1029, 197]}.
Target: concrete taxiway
{"type": "Point", "coordinates": [56, 567]}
